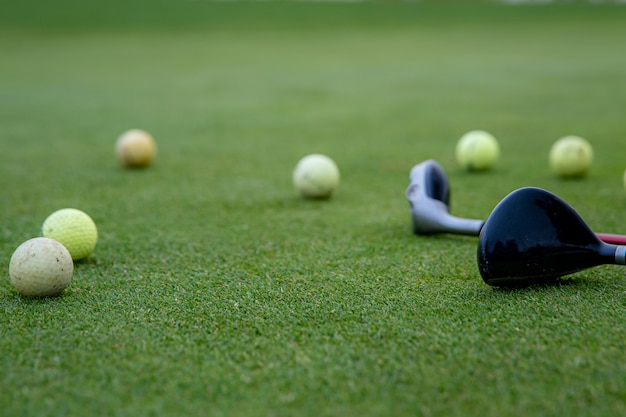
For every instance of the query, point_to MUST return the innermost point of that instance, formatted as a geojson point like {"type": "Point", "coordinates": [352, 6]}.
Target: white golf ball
{"type": "Point", "coordinates": [41, 267]}
{"type": "Point", "coordinates": [316, 176]}
{"type": "Point", "coordinates": [477, 150]}
{"type": "Point", "coordinates": [571, 156]}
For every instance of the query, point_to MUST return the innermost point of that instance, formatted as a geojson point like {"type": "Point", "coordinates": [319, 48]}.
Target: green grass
{"type": "Point", "coordinates": [215, 291]}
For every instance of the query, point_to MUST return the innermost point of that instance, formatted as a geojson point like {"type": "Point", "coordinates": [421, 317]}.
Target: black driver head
{"type": "Point", "coordinates": [533, 236]}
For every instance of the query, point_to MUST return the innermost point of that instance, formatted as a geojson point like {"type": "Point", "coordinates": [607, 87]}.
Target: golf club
{"type": "Point", "coordinates": [533, 236]}
{"type": "Point", "coordinates": [429, 198]}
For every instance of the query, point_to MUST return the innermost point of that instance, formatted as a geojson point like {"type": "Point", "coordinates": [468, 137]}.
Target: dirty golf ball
{"type": "Point", "coordinates": [41, 267]}
{"type": "Point", "coordinates": [316, 176]}
{"type": "Point", "coordinates": [477, 150]}
{"type": "Point", "coordinates": [135, 148]}
{"type": "Point", "coordinates": [571, 156]}
{"type": "Point", "coordinates": [74, 229]}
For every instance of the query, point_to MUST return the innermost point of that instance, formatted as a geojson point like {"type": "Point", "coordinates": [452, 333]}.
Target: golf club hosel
{"type": "Point", "coordinates": [457, 225]}
{"type": "Point", "coordinates": [431, 217]}
{"type": "Point", "coordinates": [620, 255]}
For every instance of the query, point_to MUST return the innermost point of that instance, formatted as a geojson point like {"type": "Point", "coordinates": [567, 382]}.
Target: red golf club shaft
{"type": "Point", "coordinates": [611, 238]}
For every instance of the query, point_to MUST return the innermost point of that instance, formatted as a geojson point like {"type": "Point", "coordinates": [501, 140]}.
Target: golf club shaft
{"type": "Point", "coordinates": [463, 226]}
{"type": "Point", "coordinates": [471, 227]}
{"type": "Point", "coordinates": [611, 238]}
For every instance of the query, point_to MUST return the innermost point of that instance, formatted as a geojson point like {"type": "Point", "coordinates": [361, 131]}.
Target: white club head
{"type": "Point", "coordinates": [429, 197]}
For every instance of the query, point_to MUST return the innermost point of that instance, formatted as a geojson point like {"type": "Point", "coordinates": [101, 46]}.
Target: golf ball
{"type": "Point", "coordinates": [41, 267]}
{"type": "Point", "coordinates": [477, 150]}
{"type": "Point", "coordinates": [135, 148]}
{"type": "Point", "coordinates": [571, 156]}
{"type": "Point", "coordinates": [316, 176]}
{"type": "Point", "coordinates": [74, 229]}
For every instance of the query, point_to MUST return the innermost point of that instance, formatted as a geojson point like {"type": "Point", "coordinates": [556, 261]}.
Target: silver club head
{"type": "Point", "coordinates": [429, 197]}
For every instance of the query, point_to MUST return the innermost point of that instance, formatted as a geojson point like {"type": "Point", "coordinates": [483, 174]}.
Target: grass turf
{"type": "Point", "coordinates": [215, 290]}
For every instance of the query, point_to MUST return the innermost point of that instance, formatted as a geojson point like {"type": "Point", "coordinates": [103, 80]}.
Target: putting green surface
{"type": "Point", "coordinates": [215, 290]}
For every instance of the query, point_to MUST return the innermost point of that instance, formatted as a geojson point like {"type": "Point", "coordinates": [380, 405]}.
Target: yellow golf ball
{"type": "Point", "coordinates": [41, 267]}
{"type": "Point", "coordinates": [135, 148]}
{"type": "Point", "coordinates": [477, 150]}
{"type": "Point", "coordinates": [316, 176]}
{"type": "Point", "coordinates": [74, 229]}
{"type": "Point", "coordinates": [571, 156]}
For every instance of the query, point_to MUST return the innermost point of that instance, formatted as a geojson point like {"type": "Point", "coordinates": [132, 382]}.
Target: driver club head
{"type": "Point", "coordinates": [429, 198]}
{"type": "Point", "coordinates": [532, 236]}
